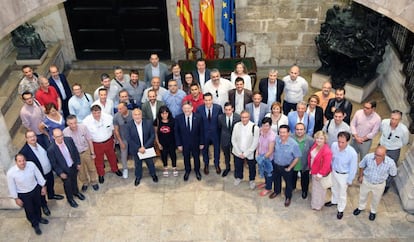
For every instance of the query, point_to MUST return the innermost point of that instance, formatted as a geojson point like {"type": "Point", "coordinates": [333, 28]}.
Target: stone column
{"type": "Point", "coordinates": [405, 181]}
{"type": "Point", "coordinates": [6, 158]}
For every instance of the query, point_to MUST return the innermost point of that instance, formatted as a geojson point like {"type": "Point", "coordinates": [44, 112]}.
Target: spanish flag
{"type": "Point", "coordinates": [186, 22]}
{"type": "Point", "coordinates": [207, 27]}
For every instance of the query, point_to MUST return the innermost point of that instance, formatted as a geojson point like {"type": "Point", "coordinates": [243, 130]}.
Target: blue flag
{"type": "Point", "coordinates": [228, 24]}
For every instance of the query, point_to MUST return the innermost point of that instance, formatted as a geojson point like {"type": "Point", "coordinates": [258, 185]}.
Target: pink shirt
{"type": "Point", "coordinates": [363, 125]}
{"type": "Point", "coordinates": [264, 141]}
{"type": "Point", "coordinates": [80, 137]}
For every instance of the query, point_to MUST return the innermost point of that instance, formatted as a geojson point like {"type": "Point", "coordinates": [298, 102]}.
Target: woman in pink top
{"type": "Point", "coordinates": [319, 160]}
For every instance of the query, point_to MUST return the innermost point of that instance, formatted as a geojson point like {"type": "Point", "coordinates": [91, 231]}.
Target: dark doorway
{"type": "Point", "coordinates": [118, 29]}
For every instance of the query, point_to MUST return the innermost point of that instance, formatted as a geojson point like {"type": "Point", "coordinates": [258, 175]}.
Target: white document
{"type": "Point", "coordinates": [149, 153]}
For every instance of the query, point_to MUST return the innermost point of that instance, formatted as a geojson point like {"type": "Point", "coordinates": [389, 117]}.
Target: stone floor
{"type": "Point", "coordinates": [212, 209]}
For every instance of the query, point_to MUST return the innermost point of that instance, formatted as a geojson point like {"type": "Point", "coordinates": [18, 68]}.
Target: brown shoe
{"type": "Point", "coordinates": [273, 195]}
{"type": "Point", "coordinates": [287, 202]}
{"type": "Point", "coordinates": [206, 170]}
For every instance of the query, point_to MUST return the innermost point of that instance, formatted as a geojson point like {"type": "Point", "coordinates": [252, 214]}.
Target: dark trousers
{"type": "Point", "coordinates": [238, 168]}
{"type": "Point", "coordinates": [395, 156]}
{"type": "Point", "coordinates": [195, 152]}
{"type": "Point", "coordinates": [31, 205]}
{"type": "Point", "coordinates": [278, 173]}
{"type": "Point", "coordinates": [304, 180]}
{"type": "Point", "coordinates": [65, 108]}
{"type": "Point", "coordinates": [287, 106]}
{"type": "Point", "coordinates": [70, 184]}
{"type": "Point", "coordinates": [216, 143]}
{"type": "Point", "coordinates": [227, 152]}
{"type": "Point", "coordinates": [138, 166]}
{"type": "Point", "coordinates": [168, 150]}
{"type": "Point", "coordinates": [50, 183]}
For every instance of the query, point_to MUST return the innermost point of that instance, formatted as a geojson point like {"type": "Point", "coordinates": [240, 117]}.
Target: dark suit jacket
{"type": "Point", "coordinates": [263, 110]}
{"type": "Point", "coordinates": [146, 109]}
{"type": "Point", "coordinates": [56, 157]}
{"type": "Point", "coordinates": [65, 84]}
{"type": "Point", "coordinates": [280, 85]}
{"type": "Point", "coordinates": [318, 119]}
{"type": "Point", "coordinates": [247, 97]}
{"type": "Point", "coordinates": [210, 128]}
{"type": "Point", "coordinates": [197, 77]}
{"type": "Point", "coordinates": [170, 77]}
{"type": "Point", "coordinates": [345, 106]}
{"type": "Point", "coordinates": [225, 137]}
{"type": "Point", "coordinates": [30, 156]}
{"type": "Point", "coordinates": [185, 138]}
{"type": "Point", "coordinates": [132, 136]}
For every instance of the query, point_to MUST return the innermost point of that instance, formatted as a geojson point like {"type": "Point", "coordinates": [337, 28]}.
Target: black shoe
{"type": "Point", "coordinates": [137, 181]}
{"type": "Point", "coordinates": [186, 175]}
{"type": "Point", "coordinates": [339, 215]}
{"type": "Point", "coordinates": [386, 190]}
{"type": "Point", "coordinates": [357, 211]}
{"type": "Point", "coordinates": [101, 179]}
{"type": "Point", "coordinates": [37, 230]}
{"type": "Point", "coordinates": [225, 172]}
{"type": "Point", "coordinates": [155, 178]}
{"type": "Point", "coordinates": [287, 202]}
{"type": "Point", "coordinates": [80, 196]}
{"type": "Point", "coordinates": [372, 216]}
{"type": "Point", "coordinates": [218, 170]}
{"type": "Point", "coordinates": [304, 195]}
{"type": "Point", "coordinates": [73, 203]}
{"type": "Point", "coordinates": [95, 187]}
{"type": "Point", "coordinates": [46, 210]}
{"type": "Point", "coordinates": [329, 204]}
{"type": "Point", "coordinates": [56, 197]}
{"type": "Point", "coordinates": [198, 175]}
{"type": "Point", "coordinates": [206, 170]}
{"type": "Point", "coordinates": [118, 173]}
{"type": "Point", "coordinates": [84, 188]}
{"type": "Point", "coordinates": [43, 221]}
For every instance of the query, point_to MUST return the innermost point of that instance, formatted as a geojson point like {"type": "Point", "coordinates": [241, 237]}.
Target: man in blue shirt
{"type": "Point", "coordinates": [173, 98]}
{"type": "Point", "coordinates": [374, 170]}
{"type": "Point", "coordinates": [287, 154]}
{"type": "Point", "coordinates": [344, 167]}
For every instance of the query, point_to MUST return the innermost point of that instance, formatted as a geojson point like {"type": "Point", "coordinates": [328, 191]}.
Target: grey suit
{"type": "Point", "coordinates": [148, 73]}
{"type": "Point", "coordinates": [225, 136]}
{"type": "Point", "coordinates": [146, 109]}
{"type": "Point", "coordinates": [263, 110]}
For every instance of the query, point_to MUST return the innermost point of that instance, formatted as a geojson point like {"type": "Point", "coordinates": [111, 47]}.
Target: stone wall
{"type": "Point", "coordinates": [282, 32]}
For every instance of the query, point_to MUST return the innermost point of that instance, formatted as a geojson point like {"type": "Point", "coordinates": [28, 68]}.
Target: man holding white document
{"type": "Point", "coordinates": [140, 137]}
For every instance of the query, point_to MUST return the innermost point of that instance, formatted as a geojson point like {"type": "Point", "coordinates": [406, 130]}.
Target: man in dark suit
{"type": "Point", "coordinates": [257, 105]}
{"type": "Point", "coordinates": [240, 96]}
{"type": "Point", "coordinates": [65, 160]}
{"type": "Point", "coordinates": [271, 88]}
{"type": "Point", "coordinates": [61, 84]}
{"type": "Point", "coordinates": [201, 74]}
{"type": "Point", "coordinates": [37, 154]}
{"type": "Point", "coordinates": [339, 102]}
{"type": "Point", "coordinates": [140, 135]}
{"type": "Point", "coordinates": [226, 123]}
{"type": "Point", "coordinates": [151, 105]}
{"type": "Point", "coordinates": [176, 74]}
{"type": "Point", "coordinates": [189, 138]}
{"type": "Point", "coordinates": [209, 113]}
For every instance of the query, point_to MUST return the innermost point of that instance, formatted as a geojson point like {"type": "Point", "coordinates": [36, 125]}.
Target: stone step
{"type": "Point", "coordinates": [12, 117]}
{"type": "Point", "coordinates": [8, 91]}
{"type": "Point", "coordinates": [110, 64]}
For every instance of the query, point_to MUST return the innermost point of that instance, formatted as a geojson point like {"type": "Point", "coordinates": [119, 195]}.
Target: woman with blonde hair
{"type": "Point", "coordinates": [319, 161]}
{"type": "Point", "coordinates": [241, 71]}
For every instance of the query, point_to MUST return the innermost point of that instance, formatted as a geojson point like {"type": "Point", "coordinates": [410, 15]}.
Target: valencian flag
{"type": "Point", "coordinates": [207, 27]}
{"type": "Point", "coordinates": [228, 24]}
{"type": "Point", "coordinates": [186, 22]}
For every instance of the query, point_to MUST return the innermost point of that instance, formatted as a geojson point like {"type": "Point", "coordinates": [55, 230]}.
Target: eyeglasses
{"type": "Point", "coordinates": [389, 136]}
{"type": "Point", "coordinates": [216, 93]}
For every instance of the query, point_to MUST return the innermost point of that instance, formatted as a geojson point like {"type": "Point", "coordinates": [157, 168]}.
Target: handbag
{"type": "Point", "coordinates": [326, 181]}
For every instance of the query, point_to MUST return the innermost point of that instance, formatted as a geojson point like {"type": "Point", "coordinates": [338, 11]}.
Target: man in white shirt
{"type": "Point", "coordinates": [201, 74]}
{"type": "Point", "coordinates": [101, 128]}
{"type": "Point", "coordinates": [219, 87]}
{"type": "Point", "coordinates": [106, 104]}
{"type": "Point", "coordinates": [119, 82]}
{"type": "Point", "coordinates": [106, 83]}
{"type": "Point", "coordinates": [296, 88]}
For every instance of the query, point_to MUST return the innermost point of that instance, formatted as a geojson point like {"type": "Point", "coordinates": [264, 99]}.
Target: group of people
{"type": "Point", "coordinates": [69, 132]}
